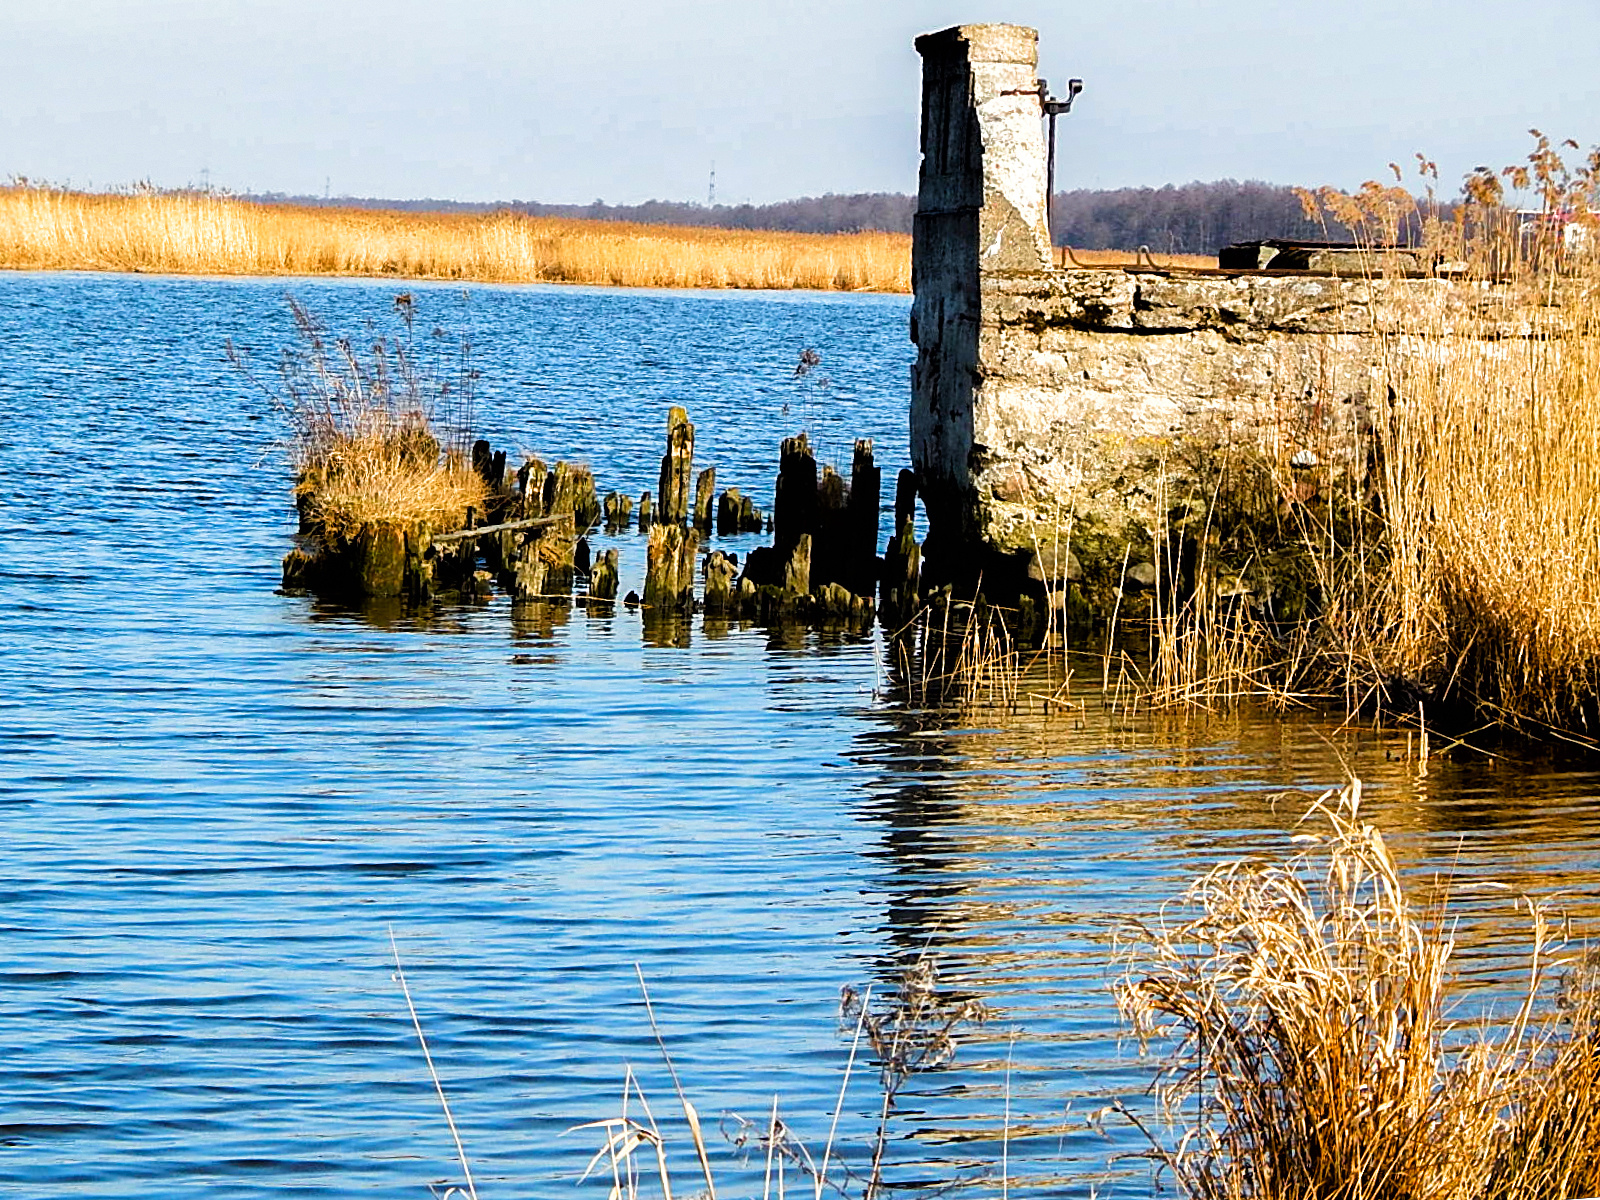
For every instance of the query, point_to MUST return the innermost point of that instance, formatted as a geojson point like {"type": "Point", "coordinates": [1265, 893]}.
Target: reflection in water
{"type": "Point", "coordinates": [1016, 843]}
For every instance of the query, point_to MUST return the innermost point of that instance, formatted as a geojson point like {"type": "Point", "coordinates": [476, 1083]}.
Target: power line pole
{"type": "Point", "coordinates": [711, 188]}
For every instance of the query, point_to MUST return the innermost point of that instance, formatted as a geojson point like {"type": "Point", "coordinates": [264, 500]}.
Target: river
{"type": "Point", "coordinates": [218, 802]}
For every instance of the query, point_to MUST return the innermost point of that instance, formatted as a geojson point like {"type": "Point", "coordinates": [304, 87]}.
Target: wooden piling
{"type": "Point", "coordinates": [861, 544]}
{"type": "Point", "coordinates": [528, 498]}
{"type": "Point", "coordinates": [794, 510]}
{"type": "Point", "coordinates": [647, 514]}
{"type": "Point", "coordinates": [705, 490]}
{"type": "Point", "coordinates": [830, 538]}
{"type": "Point", "coordinates": [619, 512]}
{"type": "Point", "coordinates": [669, 568]}
{"type": "Point", "coordinates": [720, 592]}
{"type": "Point", "coordinates": [902, 565]}
{"type": "Point", "coordinates": [603, 578]}
{"type": "Point", "coordinates": [797, 570]}
{"type": "Point", "coordinates": [676, 465]}
{"type": "Point", "coordinates": [381, 554]}
{"type": "Point", "coordinates": [728, 512]}
{"type": "Point", "coordinates": [905, 498]}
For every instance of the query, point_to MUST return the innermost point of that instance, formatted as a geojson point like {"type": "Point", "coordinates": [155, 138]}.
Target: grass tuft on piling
{"type": "Point", "coordinates": [1307, 1009]}
{"type": "Point", "coordinates": [376, 437]}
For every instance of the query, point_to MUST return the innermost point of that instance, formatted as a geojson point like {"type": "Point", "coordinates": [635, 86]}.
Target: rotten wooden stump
{"type": "Point", "coordinates": [676, 465]}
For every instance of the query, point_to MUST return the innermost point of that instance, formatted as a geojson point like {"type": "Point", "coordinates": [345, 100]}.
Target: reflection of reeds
{"type": "Point", "coordinates": [203, 233]}
{"type": "Point", "coordinates": [1313, 1051]}
{"type": "Point", "coordinates": [956, 654]}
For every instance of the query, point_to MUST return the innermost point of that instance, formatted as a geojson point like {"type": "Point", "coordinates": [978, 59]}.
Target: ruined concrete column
{"type": "Point", "coordinates": [980, 211]}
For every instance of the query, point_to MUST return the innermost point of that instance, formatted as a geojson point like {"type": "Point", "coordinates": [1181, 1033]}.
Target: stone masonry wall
{"type": "Point", "coordinates": [1068, 410]}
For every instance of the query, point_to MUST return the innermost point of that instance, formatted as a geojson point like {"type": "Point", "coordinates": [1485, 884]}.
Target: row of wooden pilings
{"type": "Point", "coordinates": [823, 562]}
{"type": "Point", "coordinates": [531, 542]}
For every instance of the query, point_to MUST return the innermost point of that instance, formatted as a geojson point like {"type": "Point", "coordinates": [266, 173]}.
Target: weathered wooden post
{"type": "Point", "coordinates": [603, 577]}
{"type": "Point", "coordinates": [720, 593]}
{"type": "Point", "coordinates": [529, 498]}
{"type": "Point", "coordinates": [619, 512]}
{"type": "Point", "coordinates": [794, 508]}
{"type": "Point", "coordinates": [676, 465]}
{"type": "Point", "coordinates": [705, 489]}
{"type": "Point", "coordinates": [728, 512]}
{"type": "Point", "coordinates": [585, 501]}
{"type": "Point", "coordinates": [830, 537]}
{"type": "Point", "coordinates": [902, 561]}
{"type": "Point", "coordinates": [381, 548]}
{"type": "Point", "coordinates": [669, 568]}
{"type": "Point", "coordinates": [866, 487]}
{"type": "Point", "coordinates": [647, 515]}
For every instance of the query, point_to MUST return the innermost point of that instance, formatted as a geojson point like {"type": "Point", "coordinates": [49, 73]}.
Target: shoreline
{"type": "Point", "coordinates": [205, 234]}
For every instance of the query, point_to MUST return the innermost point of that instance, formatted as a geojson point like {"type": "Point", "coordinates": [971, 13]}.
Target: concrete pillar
{"type": "Point", "coordinates": [980, 218]}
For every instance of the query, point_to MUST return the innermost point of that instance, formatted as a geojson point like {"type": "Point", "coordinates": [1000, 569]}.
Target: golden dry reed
{"type": "Point", "coordinates": [375, 438]}
{"type": "Point", "coordinates": [1458, 562]}
{"type": "Point", "coordinates": [198, 233]}
{"type": "Point", "coordinates": [1307, 1005]}
{"type": "Point", "coordinates": [1488, 588]}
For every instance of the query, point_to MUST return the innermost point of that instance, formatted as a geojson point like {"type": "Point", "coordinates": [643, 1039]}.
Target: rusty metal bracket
{"type": "Point", "coordinates": [1052, 108]}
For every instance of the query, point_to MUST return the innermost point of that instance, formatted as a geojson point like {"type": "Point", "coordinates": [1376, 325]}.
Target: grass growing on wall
{"type": "Point", "coordinates": [208, 234]}
{"type": "Point", "coordinates": [1456, 561]}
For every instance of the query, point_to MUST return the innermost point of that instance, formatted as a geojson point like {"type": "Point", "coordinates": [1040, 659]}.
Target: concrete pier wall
{"type": "Point", "coordinates": [1058, 410]}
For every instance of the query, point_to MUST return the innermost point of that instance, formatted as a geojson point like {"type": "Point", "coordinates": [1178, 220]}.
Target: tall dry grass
{"type": "Point", "coordinates": [1307, 1008]}
{"type": "Point", "coordinates": [209, 234]}
{"type": "Point", "coordinates": [1458, 563]}
{"type": "Point", "coordinates": [1488, 446]}
{"type": "Point", "coordinates": [375, 436]}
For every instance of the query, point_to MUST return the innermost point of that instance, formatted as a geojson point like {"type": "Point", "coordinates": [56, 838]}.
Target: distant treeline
{"type": "Point", "coordinates": [1194, 218]}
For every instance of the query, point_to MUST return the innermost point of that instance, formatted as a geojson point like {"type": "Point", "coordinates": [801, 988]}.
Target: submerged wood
{"type": "Point", "coordinates": [603, 576]}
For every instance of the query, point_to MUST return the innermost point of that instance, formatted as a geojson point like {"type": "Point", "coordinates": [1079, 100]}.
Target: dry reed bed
{"type": "Point", "coordinates": [192, 233]}
{"type": "Point", "coordinates": [1459, 565]}
{"type": "Point", "coordinates": [1307, 1006]}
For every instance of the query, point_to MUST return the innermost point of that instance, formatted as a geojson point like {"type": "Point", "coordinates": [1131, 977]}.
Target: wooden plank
{"type": "Point", "coordinates": [506, 527]}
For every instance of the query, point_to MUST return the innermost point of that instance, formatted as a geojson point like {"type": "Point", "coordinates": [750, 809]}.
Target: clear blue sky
{"type": "Point", "coordinates": [632, 99]}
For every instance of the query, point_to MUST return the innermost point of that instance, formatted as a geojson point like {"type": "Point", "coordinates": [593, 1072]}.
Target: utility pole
{"type": "Point", "coordinates": [711, 188]}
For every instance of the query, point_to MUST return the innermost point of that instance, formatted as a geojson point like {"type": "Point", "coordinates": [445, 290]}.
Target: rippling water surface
{"type": "Point", "coordinates": [218, 802]}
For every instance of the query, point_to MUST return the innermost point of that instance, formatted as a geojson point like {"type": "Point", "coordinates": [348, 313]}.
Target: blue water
{"type": "Point", "coordinates": [218, 803]}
